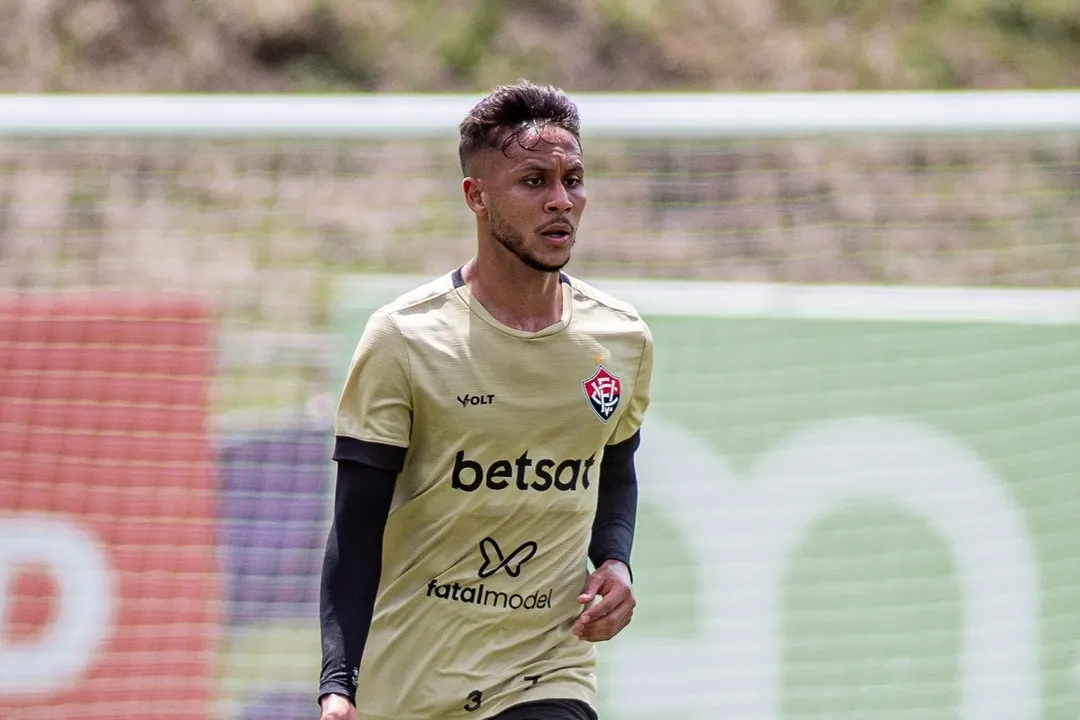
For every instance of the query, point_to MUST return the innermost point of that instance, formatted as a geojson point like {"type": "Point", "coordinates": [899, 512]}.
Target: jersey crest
{"type": "Point", "coordinates": [603, 391]}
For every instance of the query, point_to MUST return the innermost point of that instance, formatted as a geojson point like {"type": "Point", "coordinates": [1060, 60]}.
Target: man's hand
{"type": "Point", "coordinates": [607, 618]}
{"type": "Point", "coordinates": [337, 707]}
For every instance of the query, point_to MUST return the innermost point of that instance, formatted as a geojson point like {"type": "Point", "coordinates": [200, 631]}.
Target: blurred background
{"type": "Point", "coordinates": [861, 487]}
{"type": "Point", "coordinates": [467, 46]}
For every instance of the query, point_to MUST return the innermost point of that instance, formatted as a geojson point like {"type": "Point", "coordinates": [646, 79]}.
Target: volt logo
{"type": "Point", "coordinates": [494, 560]}
{"type": "Point", "coordinates": [468, 399]}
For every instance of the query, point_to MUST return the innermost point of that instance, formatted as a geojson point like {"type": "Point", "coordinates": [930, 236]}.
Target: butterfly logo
{"type": "Point", "coordinates": [495, 560]}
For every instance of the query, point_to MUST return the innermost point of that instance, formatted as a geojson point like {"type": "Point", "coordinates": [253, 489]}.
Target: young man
{"type": "Point", "coordinates": [485, 441]}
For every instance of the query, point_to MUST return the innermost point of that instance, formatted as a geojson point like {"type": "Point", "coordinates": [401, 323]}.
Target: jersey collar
{"type": "Point", "coordinates": [481, 312]}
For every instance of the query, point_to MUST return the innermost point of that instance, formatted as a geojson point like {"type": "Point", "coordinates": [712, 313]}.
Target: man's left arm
{"type": "Point", "coordinates": [616, 517]}
{"type": "Point", "coordinates": [610, 546]}
{"type": "Point", "coordinates": [616, 505]}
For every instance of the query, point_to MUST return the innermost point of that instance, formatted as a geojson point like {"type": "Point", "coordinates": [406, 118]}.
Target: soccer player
{"type": "Point", "coordinates": [485, 441]}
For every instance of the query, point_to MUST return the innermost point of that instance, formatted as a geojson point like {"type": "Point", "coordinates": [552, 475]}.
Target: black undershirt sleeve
{"type": "Point", "coordinates": [352, 564]}
{"type": "Point", "coordinates": [616, 504]}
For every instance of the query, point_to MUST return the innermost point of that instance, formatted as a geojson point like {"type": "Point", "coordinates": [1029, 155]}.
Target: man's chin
{"type": "Point", "coordinates": [549, 269]}
{"type": "Point", "coordinates": [550, 261]}
{"type": "Point", "coordinates": [548, 264]}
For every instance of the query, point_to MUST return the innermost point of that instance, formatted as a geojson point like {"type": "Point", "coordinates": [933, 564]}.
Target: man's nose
{"type": "Point", "coordinates": [559, 202]}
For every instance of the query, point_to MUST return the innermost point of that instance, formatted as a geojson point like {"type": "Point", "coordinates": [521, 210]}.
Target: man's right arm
{"type": "Point", "coordinates": [372, 429]}
{"type": "Point", "coordinates": [351, 569]}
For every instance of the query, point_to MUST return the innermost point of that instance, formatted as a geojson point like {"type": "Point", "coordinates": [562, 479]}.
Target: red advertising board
{"type": "Point", "coordinates": [109, 588]}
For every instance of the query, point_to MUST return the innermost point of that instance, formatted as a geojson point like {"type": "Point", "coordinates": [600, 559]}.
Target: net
{"type": "Point", "coordinates": [869, 517]}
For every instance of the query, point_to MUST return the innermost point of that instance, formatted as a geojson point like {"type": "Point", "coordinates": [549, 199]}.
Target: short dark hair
{"type": "Point", "coordinates": [506, 112]}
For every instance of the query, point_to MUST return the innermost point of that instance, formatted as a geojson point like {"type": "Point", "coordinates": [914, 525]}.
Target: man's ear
{"type": "Point", "coordinates": [474, 195]}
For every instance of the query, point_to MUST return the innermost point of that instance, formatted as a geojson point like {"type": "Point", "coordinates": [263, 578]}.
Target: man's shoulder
{"type": "Point", "coordinates": [606, 305]}
{"type": "Point", "coordinates": [424, 298]}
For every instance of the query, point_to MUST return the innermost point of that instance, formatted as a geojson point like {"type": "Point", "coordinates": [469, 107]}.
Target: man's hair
{"type": "Point", "coordinates": [499, 120]}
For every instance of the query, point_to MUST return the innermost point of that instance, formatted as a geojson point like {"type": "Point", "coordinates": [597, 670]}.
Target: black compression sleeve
{"type": "Point", "coordinates": [351, 569]}
{"type": "Point", "coordinates": [616, 504]}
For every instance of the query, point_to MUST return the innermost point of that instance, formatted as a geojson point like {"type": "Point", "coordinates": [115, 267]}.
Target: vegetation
{"type": "Point", "coordinates": [468, 45]}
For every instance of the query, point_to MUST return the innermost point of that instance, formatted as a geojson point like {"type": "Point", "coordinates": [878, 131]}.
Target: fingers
{"type": "Point", "coordinates": [594, 585]}
{"type": "Point", "coordinates": [608, 617]}
{"type": "Point", "coordinates": [610, 599]}
{"type": "Point", "coordinates": [608, 626]}
{"type": "Point", "coordinates": [613, 612]}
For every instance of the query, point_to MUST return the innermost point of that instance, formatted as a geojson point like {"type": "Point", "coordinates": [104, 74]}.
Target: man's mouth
{"type": "Point", "coordinates": [558, 231]}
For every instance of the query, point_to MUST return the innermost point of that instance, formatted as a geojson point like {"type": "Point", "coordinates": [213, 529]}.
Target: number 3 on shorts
{"type": "Point", "coordinates": [475, 698]}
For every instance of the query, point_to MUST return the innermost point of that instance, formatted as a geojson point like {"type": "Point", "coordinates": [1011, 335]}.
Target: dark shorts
{"type": "Point", "coordinates": [548, 710]}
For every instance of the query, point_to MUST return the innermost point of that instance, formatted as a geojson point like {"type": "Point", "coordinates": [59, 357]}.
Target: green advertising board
{"type": "Point", "coordinates": [855, 503]}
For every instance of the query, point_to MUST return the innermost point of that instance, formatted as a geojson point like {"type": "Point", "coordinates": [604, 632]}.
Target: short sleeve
{"type": "Point", "coordinates": [634, 415]}
{"type": "Point", "coordinates": [374, 413]}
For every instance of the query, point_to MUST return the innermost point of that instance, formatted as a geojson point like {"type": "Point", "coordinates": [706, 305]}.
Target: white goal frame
{"type": "Point", "coordinates": [623, 116]}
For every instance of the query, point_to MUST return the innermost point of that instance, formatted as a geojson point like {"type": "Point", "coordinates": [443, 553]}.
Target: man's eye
{"type": "Point", "coordinates": [573, 182]}
{"type": "Point", "coordinates": [534, 181]}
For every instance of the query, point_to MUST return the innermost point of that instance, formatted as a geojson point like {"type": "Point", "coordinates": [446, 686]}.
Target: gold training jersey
{"type": "Point", "coordinates": [499, 434]}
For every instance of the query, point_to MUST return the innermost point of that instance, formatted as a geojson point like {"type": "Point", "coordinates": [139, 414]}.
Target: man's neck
{"type": "Point", "coordinates": [514, 294]}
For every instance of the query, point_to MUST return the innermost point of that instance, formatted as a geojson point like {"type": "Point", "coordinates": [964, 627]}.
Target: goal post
{"type": "Point", "coordinates": [859, 484]}
{"type": "Point", "coordinates": [608, 115]}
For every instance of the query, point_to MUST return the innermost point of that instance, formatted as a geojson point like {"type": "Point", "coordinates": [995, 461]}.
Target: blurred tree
{"type": "Point", "coordinates": [468, 45]}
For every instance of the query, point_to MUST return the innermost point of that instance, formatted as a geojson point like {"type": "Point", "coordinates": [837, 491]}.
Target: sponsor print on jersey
{"type": "Point", "coordinates": [522, 473]}
{"type": "Point", "coordinates": [493, 560]}
{"type": "Point", "coordinates": [603, 391]}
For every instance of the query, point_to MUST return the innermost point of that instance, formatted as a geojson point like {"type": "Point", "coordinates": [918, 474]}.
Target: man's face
{"type": "Point", "coordinates": [533, 196]}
